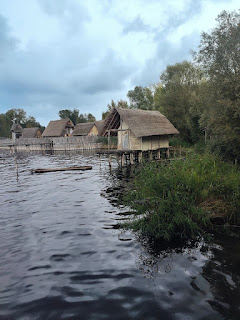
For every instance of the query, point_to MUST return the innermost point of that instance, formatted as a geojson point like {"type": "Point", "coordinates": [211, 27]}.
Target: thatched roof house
{"type": "Point", "coordinates": [59, 128]}
{"type": "Point", "coordinates": [31, 132]}
{"type": "Point", "coordinates": [88, 128]}
{"type": "Point", "coordinates": [139, 129]}
{"type": "Point", "coordinates": [85, 129]}
{"type": "Point", "coordinates": [100, 124]}
{"type": "Point", "coordinates": [16, 130]}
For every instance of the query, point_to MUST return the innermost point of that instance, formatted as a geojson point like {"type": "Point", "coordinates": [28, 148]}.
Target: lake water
{"type": "Point", "coordinates": [62, 255]}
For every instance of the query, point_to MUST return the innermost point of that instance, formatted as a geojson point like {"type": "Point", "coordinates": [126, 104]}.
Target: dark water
{"type": "Point", "coordinates": [62, 255]}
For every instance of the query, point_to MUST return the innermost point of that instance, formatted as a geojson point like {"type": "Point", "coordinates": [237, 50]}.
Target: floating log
{"type": "Point", "coordinates": [60, 169]}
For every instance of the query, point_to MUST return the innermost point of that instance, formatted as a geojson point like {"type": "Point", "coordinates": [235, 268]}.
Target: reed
{"type": "Point", "coordinates": [182, 199]}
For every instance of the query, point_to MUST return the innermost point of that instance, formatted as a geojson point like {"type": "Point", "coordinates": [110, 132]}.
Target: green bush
{"type": "Point", "coordinates": [179, 199]}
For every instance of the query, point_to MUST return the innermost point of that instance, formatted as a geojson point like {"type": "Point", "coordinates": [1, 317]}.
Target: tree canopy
{"type": "Point", "coordinates": [75, 117]}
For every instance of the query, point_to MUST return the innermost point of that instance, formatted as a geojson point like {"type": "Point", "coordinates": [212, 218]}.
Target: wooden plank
{"type": "Point", "coordinates": [42, 170]}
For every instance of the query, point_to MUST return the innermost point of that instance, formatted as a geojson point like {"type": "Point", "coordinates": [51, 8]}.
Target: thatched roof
{"type": "Point", "coordinates": [30, 132]}
{"type": "Point", "coordinates": [100, 124]}
{"type": "Point", "coordinates": [55, 128]}
{"type": "Point", "coordinates": [142, 123]}
{"type": "Point", "coordinates": [16, 128]}
{"type": "Point", "coordinates": [83, 129]}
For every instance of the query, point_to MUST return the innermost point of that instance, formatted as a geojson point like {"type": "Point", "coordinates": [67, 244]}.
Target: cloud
{"type": "Point", "coordinates": [81, 54]}
{"type": "Point", "coordinates": [7, 41]}
{"type": "Point", "coordinates": [137, 25]}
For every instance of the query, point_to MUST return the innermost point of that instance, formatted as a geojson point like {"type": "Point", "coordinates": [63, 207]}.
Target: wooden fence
{"type": "Point", "coordinates": [51, 144]}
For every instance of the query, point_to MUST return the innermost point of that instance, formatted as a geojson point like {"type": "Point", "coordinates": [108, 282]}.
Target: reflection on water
{"type": "Point", "coordinates": [63, 255]}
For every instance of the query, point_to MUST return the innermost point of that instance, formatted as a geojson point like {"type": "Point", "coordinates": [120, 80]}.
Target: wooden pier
{"type": "Point", "coordinates": [125, 157]}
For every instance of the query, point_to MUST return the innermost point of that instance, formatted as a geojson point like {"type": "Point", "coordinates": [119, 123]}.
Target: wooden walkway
{"type": "Point", "coordinates": [131, 156]}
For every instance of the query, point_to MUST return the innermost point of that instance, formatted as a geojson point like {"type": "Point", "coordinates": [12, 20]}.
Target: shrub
{"type": "Point", "coordinates": [180, 198]}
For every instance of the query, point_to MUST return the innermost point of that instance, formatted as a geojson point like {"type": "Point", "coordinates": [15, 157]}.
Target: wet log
{"type": "Point", "coordinates": [82, 168]}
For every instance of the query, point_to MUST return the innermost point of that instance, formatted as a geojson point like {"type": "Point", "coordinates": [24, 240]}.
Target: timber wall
{"type": "Point", "coordinates": [56, 143]}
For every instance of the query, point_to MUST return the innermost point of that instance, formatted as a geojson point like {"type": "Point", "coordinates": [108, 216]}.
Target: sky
{"type": "Point", "coordinates": [66, 54]}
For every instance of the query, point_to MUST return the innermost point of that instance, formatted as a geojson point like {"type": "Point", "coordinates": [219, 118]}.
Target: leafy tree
{"type": "Point", "coordinates": [18, 114]}
{"type": "Point", "coordinates": [219, 55]}
{"type": "Point", "coordinates": [112, 105]}
{"type": "Point", "coordinates": [179, 98]}
{"type": "Point", "coordinates": [141, 98]}
{"type": "Point", "coordinates": [90, 118]}
{"type": "Point", "coordinates": [73, 115]}
{"type": "Point", "coordinates": [5, 125]}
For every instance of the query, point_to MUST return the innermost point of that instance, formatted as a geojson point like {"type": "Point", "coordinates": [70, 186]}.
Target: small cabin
{"type": "Point", "coordinates": [34, 132]}
{"type": "Point", "coordinates": [17, 131]}
{"type": "Point", "coordinates": [85, 129]}
{"type": "Point", "coordinates": [138, 129]}
{"type": "Point", "coordinates": [59, 128]}
{"type": "Point", "coordinates": [89, 128]}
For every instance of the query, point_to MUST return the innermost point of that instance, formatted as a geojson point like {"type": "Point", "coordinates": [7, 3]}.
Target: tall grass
{"type": "Point", "coordinates": [180, 199]}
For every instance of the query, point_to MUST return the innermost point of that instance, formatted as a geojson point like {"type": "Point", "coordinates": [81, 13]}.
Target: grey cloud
{"type": "Point", "coordinates": [167, 53]}
{"type": "Point", "coordinates": [137, 25]}
{"type": "Point", "coordinates": [71, 15]}
{"type": "Point", "coordinates": [7, 42]}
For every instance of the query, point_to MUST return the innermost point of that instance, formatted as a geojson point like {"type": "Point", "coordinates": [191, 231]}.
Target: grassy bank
{"type": "Point", "coordinates": [182, 199]}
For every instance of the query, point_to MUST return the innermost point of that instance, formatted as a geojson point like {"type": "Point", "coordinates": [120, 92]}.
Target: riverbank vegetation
{"type": "Point", "coordinates": [184, 198]}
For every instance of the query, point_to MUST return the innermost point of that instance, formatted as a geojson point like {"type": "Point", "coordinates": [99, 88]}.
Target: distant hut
{"type": "Point", "coordinates": [139, 129]}
{"type": "Point", "coordinates": [31, 132]}
{"type": "Point", "coordinates": [85, 129]}
{"type": "Point", "coordinates": [59, 128]}
{"type": "Point", "coordinates": [99, 125]}
{"type": "Point", "coordinates": [16, 130]}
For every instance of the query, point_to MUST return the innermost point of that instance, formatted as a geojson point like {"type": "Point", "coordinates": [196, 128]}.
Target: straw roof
{"type": "Point", "coordinates": [30, 132]}
{"type": "Point", "coordinates": [100, 124]}
{"type": "Point", "coordinates": [55, 128]}
{"type": "Point", "coordinates": [16, 128]}
{"type": "Point", "coordinates": [83, 129]}
{"type": "Point", "coordinates": [142, 123]}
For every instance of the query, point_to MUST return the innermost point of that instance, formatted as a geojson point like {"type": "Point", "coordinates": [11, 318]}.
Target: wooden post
{"type": "Point", "coordinates": [108, 139]}
{"type": "Point", "coordinates": [140, 156]}
{"type": "Point", "coordinates": [131, 158]}
{"type": "Point", "coordinates": [159, 154]}
{"type": "Point", "coordinates": [150, 153]}
{"type": "Point", "coordinates": [109, 160]}
{"type": "Point", "coordinates": [167, 153]}
{"type": "Point", "coordinates": [122, 159]}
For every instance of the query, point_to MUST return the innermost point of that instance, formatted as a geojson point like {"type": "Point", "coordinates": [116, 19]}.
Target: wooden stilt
{"type": "Point", "coordinates": [167, 153]}
{"type": "Point", "coordinates": [140, 156]}
{"type": "Point", "coordinates": [150, 154]}
{"type": "Point", "coordinates": [159, 154]}
{"type": "Point", "coordinates": [109, 160]}
{"type": "Point", "coordinates": [131, 158]}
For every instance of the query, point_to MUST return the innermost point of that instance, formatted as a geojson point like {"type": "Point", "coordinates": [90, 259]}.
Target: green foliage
{"type": "Point", "coordinates": [104, 140]}
{"type": "Point", "coordinates": [181, 99]}
{"type": "Point", "coordinates": [141, 98]}
{"type": "Point", "coordinates": [20, 117]}
{"type": "Point", "coordinates": [75, 117]}
{"type": "Point", "coordinates": [178, 199]}
{"type": "Point", "coordinates": [219, 56]}
{"type": "Point", "coordinates": [112, 105]}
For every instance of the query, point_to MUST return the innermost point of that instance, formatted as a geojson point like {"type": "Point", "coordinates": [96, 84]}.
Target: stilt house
{"type": "Point", "coordinates": [59, 128]}
{"type": "Point", "coordinates": [16, 130]}
{"type": "Point", "coordinates": [139, 129]}
{"type": "Point", "coordinates": [88, 128]}
{"type": "Point", "coordinates": [31, 133]}
{"type": "Point", "coordinates": [85, 129]}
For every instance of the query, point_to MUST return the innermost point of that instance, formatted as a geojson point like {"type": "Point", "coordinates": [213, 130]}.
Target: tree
{"type": "Point", "coordinates": [18, 114]}
{"type": "Point", "coordinates": [179, 98]}
{"type": "Point", "coordinates": [141, 98]}
{"type": "Point", "coordinates": [120, 104]}
{"type": "Point", "coordinates": [219, 55]}
{"type": "Point", "coordinates": [71, 114]}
